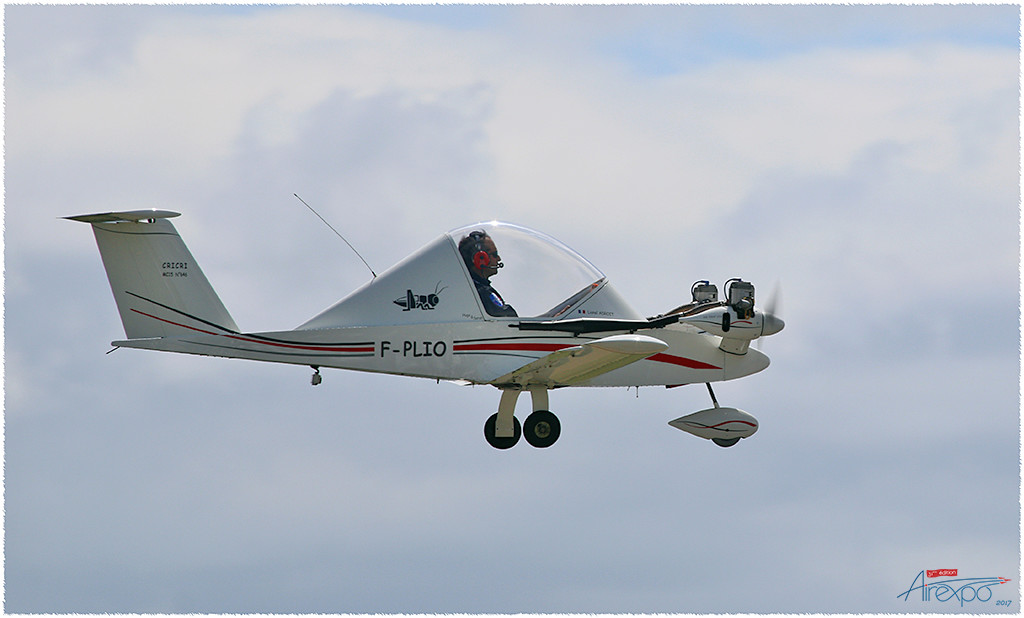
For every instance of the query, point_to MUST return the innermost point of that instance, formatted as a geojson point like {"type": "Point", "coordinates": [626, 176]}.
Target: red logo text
{"type": "Point", "coordinates": [942, 573]}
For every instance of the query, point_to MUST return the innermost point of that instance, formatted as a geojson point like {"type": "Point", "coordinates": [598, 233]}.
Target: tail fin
{"type": "Point", "coordinates": [158, 286]}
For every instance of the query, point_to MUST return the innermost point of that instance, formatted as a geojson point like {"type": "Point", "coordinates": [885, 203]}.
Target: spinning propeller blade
{"type": "Point", "coordinates": [773, 309]}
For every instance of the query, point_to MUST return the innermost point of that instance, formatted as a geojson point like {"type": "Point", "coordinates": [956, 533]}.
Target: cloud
{"type": "Point", "coordinates": [866, 157]}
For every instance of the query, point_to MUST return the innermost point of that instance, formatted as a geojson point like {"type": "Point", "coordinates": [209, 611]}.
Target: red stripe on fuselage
{"type": "Point", "coordinates": [505, 347]}
{"type": "Point", "coordinates": [368, 349]}
{"type": "Point", "coordinates": [554, 347]}
{"type": "Point", "coordinates": [682, 362]}
{"type": "Point", "coordinates": [459, 347]}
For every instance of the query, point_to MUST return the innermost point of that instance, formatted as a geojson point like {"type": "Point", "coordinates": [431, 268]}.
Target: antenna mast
{"type": "Point", "coordinates": [336, 232]}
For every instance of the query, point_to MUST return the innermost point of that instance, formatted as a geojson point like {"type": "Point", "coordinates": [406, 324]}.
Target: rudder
{"type": "Point", "coordinates": [158, 286]}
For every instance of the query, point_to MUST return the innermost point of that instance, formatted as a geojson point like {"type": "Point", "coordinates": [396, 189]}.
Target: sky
{"type": "Point", "coordinates": [864, 160]}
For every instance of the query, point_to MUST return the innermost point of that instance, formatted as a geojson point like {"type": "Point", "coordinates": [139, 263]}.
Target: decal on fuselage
{"type": "Point", "coordinates": [413, 349]}
{"type": "Point", "coordinates": [425, 302]}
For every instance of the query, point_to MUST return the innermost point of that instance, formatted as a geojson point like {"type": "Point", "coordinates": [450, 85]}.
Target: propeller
{"type": "Point", "coordinates": [772, 321]}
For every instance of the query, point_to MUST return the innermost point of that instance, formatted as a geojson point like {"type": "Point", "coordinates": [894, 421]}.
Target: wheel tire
{"type": "Point", "coordinates": [541, 429]}
{"type": "Point", "coordinates": [501, 443]}
{"type": "Point", "coordinates": [725, 442]}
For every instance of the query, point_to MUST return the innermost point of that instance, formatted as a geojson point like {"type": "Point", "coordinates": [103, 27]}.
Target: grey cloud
{"type": "Point", "coordinates": [142, 482]}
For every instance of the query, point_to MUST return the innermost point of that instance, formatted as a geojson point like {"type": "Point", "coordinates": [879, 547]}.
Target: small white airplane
{"type": "Point", "coordinates": [436, 315]}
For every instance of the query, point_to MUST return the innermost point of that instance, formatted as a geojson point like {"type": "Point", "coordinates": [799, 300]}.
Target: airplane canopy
{"type": "Point", "coordinates": [538, 270]}
{"type": "Point", "coordinates": [541, 278]}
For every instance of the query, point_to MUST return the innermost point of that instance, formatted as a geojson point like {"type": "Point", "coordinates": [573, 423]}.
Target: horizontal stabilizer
{"type": "Point", "coordinates": [128, 215]}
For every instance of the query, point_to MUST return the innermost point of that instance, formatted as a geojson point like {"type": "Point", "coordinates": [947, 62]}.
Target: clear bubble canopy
{"type": "Point", "coordinates": [539, 274]}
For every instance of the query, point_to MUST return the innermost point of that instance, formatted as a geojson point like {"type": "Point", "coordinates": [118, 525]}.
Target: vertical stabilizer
{"type": "Point", "coordinates": [159, 288]}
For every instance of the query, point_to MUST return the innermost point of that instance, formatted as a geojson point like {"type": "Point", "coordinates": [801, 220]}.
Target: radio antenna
{"type": "Point", "coordinates": [335, 231]}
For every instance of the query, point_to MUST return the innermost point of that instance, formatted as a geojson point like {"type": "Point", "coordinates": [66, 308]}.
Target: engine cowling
{"type": "Point", "coordinates": [717, 423]}
{"type": "Point", "coordinates": [735, 318]}
{"type": "Point", "coordinates": [725, 322]}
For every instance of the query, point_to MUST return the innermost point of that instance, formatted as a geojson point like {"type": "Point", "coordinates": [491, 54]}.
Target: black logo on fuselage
{"type": "Point", "coordinates": [426, 302]}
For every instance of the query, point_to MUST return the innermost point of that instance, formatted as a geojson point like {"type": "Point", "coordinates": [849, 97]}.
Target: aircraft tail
{"type": "Point", "coordinates": [159, 288]}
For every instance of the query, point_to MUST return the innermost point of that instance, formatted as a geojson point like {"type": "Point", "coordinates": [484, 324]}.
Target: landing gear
{"type": "Point", "coordinates": [714, 399]}
{"type": "Point", "coordinates": [317, 378]}
{"type": "Point", "coordinates": [723, 426]}
{"type": "Point", "coordinates": [722, 442]}
{"type": "Point", "coordinates": [541, 429]}
{"type": "Point", "coordinates": [505, 442]}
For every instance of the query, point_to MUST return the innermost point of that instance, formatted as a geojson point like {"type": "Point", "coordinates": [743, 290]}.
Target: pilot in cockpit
{"type": "Point", "coordinates": [481, 257]}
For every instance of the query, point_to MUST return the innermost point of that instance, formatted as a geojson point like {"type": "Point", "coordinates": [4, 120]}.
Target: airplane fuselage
{"type": "Point", "coordinates": [437, 315]}
{"type": "Point", "coordinates": [478, 352]}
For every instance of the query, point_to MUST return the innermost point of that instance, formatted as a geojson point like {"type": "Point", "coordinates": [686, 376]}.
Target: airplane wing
{"type": "Point", "coordinates": [581, 363]}
{"type": "Point", "coordinates": [580, 326]}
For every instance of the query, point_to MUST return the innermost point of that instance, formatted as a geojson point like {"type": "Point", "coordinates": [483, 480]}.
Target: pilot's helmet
{"type": "Point", "coordinates": [472, 244]}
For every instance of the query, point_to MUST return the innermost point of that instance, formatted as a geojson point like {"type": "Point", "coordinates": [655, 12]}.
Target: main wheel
{"type": "Point", "coordinates": [725, 442]}
{"type": "Point", "coordinates": [501, 443]}
{"type": "Point", "coordinates": [541, 429]}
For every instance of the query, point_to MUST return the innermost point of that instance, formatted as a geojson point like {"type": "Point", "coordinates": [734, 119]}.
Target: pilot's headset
{"type": "Point", "coordinates": [473, 245]}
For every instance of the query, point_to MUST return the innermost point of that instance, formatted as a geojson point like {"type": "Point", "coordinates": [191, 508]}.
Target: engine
{"type": "Point", "coordinates": [735, 319]}
{"type": "Point", "coordinates": [704, 292]}
{"type": "Point", "coordinates": [741, 297]}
